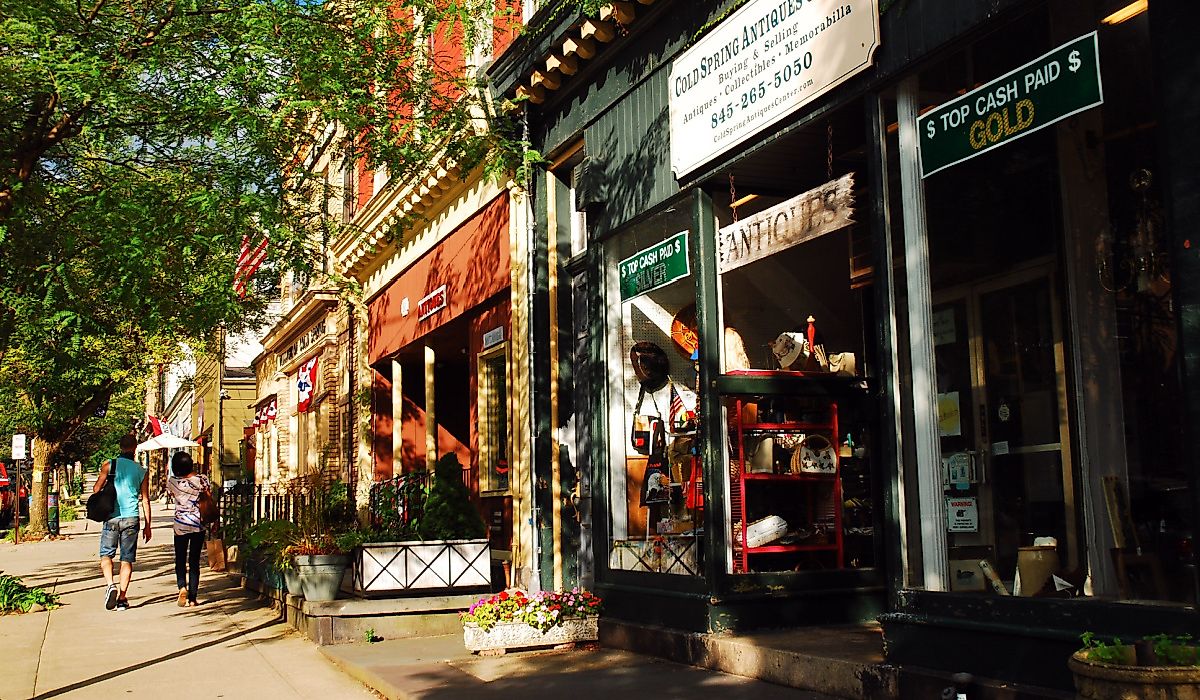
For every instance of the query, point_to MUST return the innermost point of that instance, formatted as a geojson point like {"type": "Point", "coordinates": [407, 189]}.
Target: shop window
{"type": "Point", "coordinates": [1053, 342]}
{"type": "Point", "coordinates": [796, 301]}
{"type": "Point", "coordinates": [493, 420]}
{"type": "Point", "coordinates": [655, 485]}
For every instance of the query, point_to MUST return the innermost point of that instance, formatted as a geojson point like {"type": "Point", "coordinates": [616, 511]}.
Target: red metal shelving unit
{"type": "Point", "coordinates": [739, 478]}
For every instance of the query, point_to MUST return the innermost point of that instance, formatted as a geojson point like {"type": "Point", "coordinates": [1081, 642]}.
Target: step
{"type": "Point", "coordinates": [844, 661]}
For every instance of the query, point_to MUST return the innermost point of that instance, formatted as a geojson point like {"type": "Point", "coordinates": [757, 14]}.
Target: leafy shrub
{"type": "Point", "coordinates": [67, 513]}
{"type": "Point", "coordinates": [17, 597]}
{"type": "Point", "coordinates": [449, 513]}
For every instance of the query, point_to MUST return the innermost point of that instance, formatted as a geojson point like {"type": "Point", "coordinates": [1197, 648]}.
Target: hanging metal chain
{"type": "Point", "coordinates": [829, 151]}
{"type": "Point", "coordinates": [733, 198]}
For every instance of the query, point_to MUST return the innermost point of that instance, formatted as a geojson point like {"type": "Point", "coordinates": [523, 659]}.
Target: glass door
{"type": "Point", "coordinates": [1006, 454]}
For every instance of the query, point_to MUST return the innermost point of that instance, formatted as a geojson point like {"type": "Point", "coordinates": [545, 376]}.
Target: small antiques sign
{"type": "Point", "coordinates": [799, 219]}
{"type": "Point", "coordinates": [764, 62]}
{"type": "Point", "coordinates": [1049, 88]}
{"type": "Point", "coordinates": [654, 267]}
{"type": "Point", "coordinates": [432, 303]}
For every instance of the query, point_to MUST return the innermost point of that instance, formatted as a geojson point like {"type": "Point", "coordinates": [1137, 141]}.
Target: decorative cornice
{"type": "Point", "coordinates": [297, 318]}
{"type": "Point", "coordinates": [582, 42]}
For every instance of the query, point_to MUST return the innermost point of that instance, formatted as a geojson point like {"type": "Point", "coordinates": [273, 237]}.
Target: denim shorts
{"type": "Point", "coordinates": [123, 530]}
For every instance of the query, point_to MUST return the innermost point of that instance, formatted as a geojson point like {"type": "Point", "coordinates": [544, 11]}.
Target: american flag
{"type": "Point", "coordinates": [258, 417]}
{"type": "Point", "coordinates": [678, 416]}
{"type": "Point", "coordinates": [306, 380]}
{"type": "Point", "coordinates": [249, 259]}
{"type": "Point", "coordinates": [272, 410]}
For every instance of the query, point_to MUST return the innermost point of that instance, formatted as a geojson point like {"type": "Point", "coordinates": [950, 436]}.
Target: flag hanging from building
{"type": "Point", "coordinates": [250, 257]}
{"type": "Point", "coordinates": [272, 410]}
{"type": "Point", "coordinates": [306, 380]}
{"type": "Point", "coordinates": [154, 424]}
{"type": "Point", "coordinates": [258, 417]}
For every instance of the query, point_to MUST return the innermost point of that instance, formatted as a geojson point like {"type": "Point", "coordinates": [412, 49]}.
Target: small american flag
{"type": "Point", "coordinates": [249, 259]}
{"type": "Point", "coordinates": [679, 416]}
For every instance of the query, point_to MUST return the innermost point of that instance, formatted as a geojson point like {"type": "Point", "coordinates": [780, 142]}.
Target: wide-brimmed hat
{"type": "Point", "coordinates": [683, 331]}
{"type": "Point", "coordinates": [650, 364]}
{"type": "Point", "coordinates": [787, 348]}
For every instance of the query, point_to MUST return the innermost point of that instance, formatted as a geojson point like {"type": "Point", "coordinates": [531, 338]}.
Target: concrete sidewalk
{"type": "Point", "coordinates": [436, 668]}
{"type": "Point", "coordinates": [231, 646]}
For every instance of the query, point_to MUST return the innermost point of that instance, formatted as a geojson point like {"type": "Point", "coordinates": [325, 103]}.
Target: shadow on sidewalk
{"type": "Point", "coordinates": [146, 664]}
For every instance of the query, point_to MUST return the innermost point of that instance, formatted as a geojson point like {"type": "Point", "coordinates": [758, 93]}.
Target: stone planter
{"type": "Point", "coordinates": [1095, 680]}
{"type": "Point", "coordinates": [518, 635]}
{"type": "Point", "coordinates": [293, 582]}
{"type": "Point", "coordinates": [382, 567]}
{"type": "Point", "coordinates": [321, 575]}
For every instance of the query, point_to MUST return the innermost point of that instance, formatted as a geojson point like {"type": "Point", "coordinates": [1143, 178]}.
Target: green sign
{"type": "Point", "coordinates": [654, 267]}
{"type": "Point", "coordinates": [1052, 87]}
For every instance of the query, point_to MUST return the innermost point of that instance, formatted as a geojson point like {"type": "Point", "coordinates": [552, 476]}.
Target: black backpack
{"type": "Point", "coordinates": [100, 505]}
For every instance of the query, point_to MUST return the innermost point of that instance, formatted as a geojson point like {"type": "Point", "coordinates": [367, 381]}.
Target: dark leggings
{"type": "Point", "coordinates": [188, 546]}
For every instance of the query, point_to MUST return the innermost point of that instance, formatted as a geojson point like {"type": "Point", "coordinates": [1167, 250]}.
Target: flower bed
{"type": "Point", "coordinates": [514, 621]}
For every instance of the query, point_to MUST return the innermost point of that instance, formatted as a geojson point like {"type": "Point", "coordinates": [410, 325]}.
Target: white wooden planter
{"type": "Point", "coordinates": [382, 567]}
{"type": "Point", "coordinates": [518, 635]}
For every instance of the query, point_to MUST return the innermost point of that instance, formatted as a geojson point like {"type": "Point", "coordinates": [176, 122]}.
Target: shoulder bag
{"type": "Point", "coordinates": [102, 504]}
{"type": "Point", "coordinates": [207, 507]}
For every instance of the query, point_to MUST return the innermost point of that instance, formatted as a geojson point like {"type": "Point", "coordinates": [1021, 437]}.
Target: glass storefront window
{"type": "Point", "coordinates": [1053, 339]}
{"type": "Point", "coordinates": [655, 487]}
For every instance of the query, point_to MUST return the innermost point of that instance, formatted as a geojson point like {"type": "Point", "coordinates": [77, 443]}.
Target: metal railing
{"type": "Point", "coordinates": [243, 505]}
{"type": "Point", "coordinates": [397, 504]}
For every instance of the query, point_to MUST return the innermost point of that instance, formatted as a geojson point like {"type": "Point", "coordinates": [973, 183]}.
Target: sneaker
{"type": "Point", "coordinates": [122, 604]}
{"type": "Point", "coordinates": [110, 596]}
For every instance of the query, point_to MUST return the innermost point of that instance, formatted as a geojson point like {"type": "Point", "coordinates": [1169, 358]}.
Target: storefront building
{"type": "Point", "coordinates": [872, 313]}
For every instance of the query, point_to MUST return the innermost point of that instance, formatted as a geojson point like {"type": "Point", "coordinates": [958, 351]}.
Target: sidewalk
{"type": "Point", "coordinates": [231, 646]}
{"type": "Point", "coordinates": [440, 668]}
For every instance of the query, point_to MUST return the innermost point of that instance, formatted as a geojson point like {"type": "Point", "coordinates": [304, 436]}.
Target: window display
{"type": "Point", "coordinates": [656, 486]}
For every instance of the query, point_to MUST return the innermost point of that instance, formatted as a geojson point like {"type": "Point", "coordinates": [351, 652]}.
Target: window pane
{"type": "Point", "coordinates": [656, 494]}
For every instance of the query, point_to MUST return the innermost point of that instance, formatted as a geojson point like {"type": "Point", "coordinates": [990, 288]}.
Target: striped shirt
{"type": "Point", "coordinates": [186, 493]}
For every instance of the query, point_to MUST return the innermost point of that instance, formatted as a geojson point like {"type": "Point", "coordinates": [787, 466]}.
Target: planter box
{"type": "Point", "coordinates": [518, 635]}
{"type": "Point", "coordinates": [321, 575]}
{"type": "Point", "coordinates": [1095, 680]}
{"type": "Point", "coordinates": [382, 567]}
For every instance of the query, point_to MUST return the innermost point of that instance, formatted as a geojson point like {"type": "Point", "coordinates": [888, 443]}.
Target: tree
{"type": "Point", "coordinates": [142, 142]}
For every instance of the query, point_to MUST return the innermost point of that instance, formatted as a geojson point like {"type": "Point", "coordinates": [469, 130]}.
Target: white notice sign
{"type": "Point", "coordinates": [761, 64]}
{"type": "Point", "coordinates": [18, 446]}
{"type": "Point", "coordinates": [799, 219]}
{"type": "Point", "coordinates": [962, 514]}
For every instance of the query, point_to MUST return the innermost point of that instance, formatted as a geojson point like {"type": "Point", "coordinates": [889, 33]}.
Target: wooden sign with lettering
{"type": "Point", "coordinates": [799, 219]}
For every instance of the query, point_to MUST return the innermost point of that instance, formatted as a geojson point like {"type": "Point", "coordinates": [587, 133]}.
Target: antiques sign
{"type": "Point", "coordinates": [1046, 90]}
{"type": "Point", "coordinates": [799, 219]}
{"type": "Point", "coordinates": [764, 62]}
{"type": "Point", "coordinates": [654, 267]}
{"type": "Point", "coordinates": [432, 303]}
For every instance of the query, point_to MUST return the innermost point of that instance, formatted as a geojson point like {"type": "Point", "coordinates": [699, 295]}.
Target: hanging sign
{"type": "Point", "coordinates": [654, 267]}
{"type": "Point", "coordinates": [1044, 91]}
{"type": "Point", "coordinates": [962, 514]}
{"type": "Point", "coordinates": [799, 219]}
{"type": "Point", "coordinates": [763, 63]}
{"type": "Point", "coordinates": [432, 303]}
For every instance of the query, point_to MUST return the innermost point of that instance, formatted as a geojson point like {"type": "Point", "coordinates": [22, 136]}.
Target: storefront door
{"type": "Point", "coordinates": [1003, 425]}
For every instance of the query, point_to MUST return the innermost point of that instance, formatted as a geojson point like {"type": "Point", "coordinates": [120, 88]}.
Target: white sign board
{"type": "Point", "coordinates": [799, 219]}
{"type": "Point", "coordinates": [18, 446]}
{"type": "Point", "coordinates": [764, 62]}
{"type": "Point", "coordinates": [962, 514]}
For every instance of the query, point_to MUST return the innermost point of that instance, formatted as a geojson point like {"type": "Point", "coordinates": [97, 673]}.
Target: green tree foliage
{"type": "Point", "coordinates": [449, 513]}
{"type": "Point", "coordinates": [141, 141]}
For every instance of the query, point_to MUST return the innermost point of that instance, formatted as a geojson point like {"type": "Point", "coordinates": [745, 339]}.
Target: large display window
{"type": "Point", "coordinates": [1051, 333]}
{"type": "Point", "coordinates": [656, 488]}
{"type": "Point", "coordinates": [796, 299]}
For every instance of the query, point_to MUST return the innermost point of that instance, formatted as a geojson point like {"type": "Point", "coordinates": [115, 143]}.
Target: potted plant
{"type": "Point", "coordinates": [1159, 667]}
{"type": "Point", "coordinates": [321, 562]}
{"type": "Point", "coordinates": [441, 543]}
{"type": "Point", "coordinates": [516, 620]}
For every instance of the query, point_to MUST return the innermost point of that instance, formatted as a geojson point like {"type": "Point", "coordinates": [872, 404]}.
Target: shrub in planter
{"type": "Point", "coordinates": [1159, 667]}
{"type": "Point", "coordinates": [266, 542]}
{"type": "Point", "coordinates": [449, 513]}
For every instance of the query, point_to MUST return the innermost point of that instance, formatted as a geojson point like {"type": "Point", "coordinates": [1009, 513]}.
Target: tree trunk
{"type": "Point", "coordinates": [43, 453]}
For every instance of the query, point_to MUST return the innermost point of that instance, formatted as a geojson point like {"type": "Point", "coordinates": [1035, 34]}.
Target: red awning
{"type": "Point", "coordinates": [4, 481]}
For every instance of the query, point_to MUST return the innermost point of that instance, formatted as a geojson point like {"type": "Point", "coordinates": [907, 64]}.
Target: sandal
{"type": "Point", "coordinates": [182, 601]}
